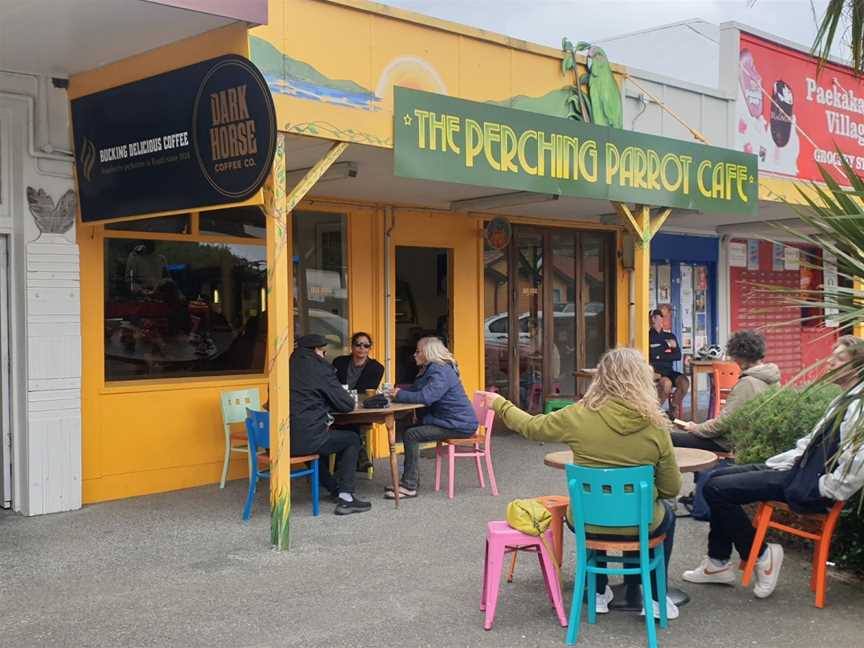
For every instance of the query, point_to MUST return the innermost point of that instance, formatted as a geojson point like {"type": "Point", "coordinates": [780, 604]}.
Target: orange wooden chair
{"type": "Point", "coordinates": [724, 377]}
{"type": "Point", "coordinates": [762, 521]}
{"type": "Point", "coordinates": [557, 506]}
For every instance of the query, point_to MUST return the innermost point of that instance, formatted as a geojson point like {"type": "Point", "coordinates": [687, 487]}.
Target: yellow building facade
{"type": "Point", "coordinates": [331, 66]}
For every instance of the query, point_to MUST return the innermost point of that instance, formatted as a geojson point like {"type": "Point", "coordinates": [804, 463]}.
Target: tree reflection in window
{"type": "Point", "coordinates": [178, 308]}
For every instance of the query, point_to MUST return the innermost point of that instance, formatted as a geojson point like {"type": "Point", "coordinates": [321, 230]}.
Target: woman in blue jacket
{"type": "Point", "coordinates": [448, 413]}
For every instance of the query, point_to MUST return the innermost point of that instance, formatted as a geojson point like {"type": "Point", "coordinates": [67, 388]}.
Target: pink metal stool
{"type": "Point", "coordinates": [501, 539]}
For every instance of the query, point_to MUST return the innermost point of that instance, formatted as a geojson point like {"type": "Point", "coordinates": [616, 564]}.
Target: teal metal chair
{"type": "Point", "coordinates": [234, 404]}
{"type": "Point", "coordinates": [615, 497]}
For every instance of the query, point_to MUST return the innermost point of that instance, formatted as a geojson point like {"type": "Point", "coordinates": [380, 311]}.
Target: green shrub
{"type": "Point", "coordinates": [774, 420]}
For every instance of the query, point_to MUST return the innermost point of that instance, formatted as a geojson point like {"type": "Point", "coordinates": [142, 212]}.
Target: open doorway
{"type": "Point", "coordinates": [423, 304]}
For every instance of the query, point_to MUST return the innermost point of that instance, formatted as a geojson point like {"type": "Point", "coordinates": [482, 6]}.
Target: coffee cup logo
{"type": "Point", "coordinates": [88, 159]}
{"type": "Point", "coordinates": [235, 128]}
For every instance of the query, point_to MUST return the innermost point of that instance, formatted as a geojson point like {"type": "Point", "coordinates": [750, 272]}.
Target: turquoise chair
{"type": "Point", "coordinates": [234, 404]}
{"type": "Point", "coordinates": [615, 497]}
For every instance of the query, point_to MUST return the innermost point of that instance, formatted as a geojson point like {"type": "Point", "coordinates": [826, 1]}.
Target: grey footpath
{"type": "Point", "coordinates": [181, 569]}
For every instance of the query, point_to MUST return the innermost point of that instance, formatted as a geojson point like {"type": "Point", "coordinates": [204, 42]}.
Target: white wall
{"type": "Point", "coordinates": [45, 339]}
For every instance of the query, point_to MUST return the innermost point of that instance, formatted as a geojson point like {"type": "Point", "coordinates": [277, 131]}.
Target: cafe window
{"type": "Point", "coordinates": [183, 306]}
{"type": "Point", "coordinates": [321, 277]}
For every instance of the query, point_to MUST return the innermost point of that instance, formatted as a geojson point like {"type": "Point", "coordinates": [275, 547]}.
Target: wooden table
{"type": "Point", "coordinates": [386, 416]}
{"type": "Point", "coordinates": [694, 368]}
{"type": "Point", "coordinates": [689, 459]}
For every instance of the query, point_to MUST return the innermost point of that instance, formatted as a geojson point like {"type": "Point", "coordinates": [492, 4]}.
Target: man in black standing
{"type": "Point", "coordinates": [315, 392]}
{"type": "Point", "coordinates": [663, 351]}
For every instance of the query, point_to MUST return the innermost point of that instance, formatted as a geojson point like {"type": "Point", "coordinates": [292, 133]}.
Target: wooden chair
{"type": "Point", "coordinates": [828, 521]}
{"type": "Point", "coordinates": [234, 404]}
{"type": "Point", "coordinates": [724, 377]}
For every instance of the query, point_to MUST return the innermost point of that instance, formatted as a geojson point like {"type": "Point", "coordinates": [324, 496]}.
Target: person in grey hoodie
{"type": "Point", "coordinates": [747, 350]}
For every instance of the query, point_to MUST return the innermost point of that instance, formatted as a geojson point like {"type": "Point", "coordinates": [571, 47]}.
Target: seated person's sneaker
{"type": "Point", "coordinates": [672, 611]}
{"type": "Point", "coordinates": [768, 570]}
{"type": "Point", "coordinates": [354, 506]}
{"type": "Point", "coordinates": [709, 571]}
{"type": "Point", "coordinates": [603, 600]}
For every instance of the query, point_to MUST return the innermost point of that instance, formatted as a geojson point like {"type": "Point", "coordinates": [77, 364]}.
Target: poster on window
{"type": "Point", "coordinates": [753, 255]}
{"type": "Point", "coordinates": [829, 285]}
{"type": "Point", "coordinates": [792, 260]}
{"type": "Point", "coordinates": [664, 284]}
{"type": "Point", "coordinates": [701, 335]}
{"type": "Point", "coordinates": [652, 287]}
{"type": "Point", "coordinates": [778, 257]}
{"type": "Point", "coordinates": [737, 255]}
{"type": "Point", "coordinates": [686, 307]}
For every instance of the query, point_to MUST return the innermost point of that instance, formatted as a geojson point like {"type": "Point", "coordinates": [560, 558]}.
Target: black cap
{"type": "Point", "coordinates": [656, 311]}
{"type": "Point", "coordinates": [312, 341]}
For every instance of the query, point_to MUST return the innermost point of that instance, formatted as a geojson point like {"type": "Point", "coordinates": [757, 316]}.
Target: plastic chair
{"type": "Point", "coordinates": [615, 497]}
{"type": "Point", "coordinates": [477, 447]}
{"type": "Point", "coordinates": [828, 521]}
{"type": "Point", "coordinates": [234, 405]}
{"type": "Point", "coordinates": [502, 539]}
{"type": "Point", "coordinates": [258, 431]}
{"type": "Point", "coordinates": [555, 404]}
{"type": "Point", "coordinates": [557, 506]}
{"type": "Point", "coordinates": [724, 377]}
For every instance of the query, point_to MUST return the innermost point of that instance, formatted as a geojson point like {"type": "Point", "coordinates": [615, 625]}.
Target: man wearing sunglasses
{"type": "Point", "coordinates": [359, 372]}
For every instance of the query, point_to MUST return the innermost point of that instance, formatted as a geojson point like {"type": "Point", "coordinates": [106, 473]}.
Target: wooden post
{"type": "Point", "coordinates": [279, 335]}
{"type": "Point", "coordinates": [642, 260]}
{"type": "Point", "coordinates": [639, 220]}
{"type": "Point", "coordinates": [278, 205]}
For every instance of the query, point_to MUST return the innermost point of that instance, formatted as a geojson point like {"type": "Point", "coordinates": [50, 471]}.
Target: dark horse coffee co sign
{"type": "Point", "coordinates": [195, 137]}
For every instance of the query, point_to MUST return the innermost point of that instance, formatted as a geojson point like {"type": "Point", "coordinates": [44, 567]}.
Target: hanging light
{"type": "Point", "coordinates": [263, 300]}
{"type": "Point", "coordinates": [215, 295]}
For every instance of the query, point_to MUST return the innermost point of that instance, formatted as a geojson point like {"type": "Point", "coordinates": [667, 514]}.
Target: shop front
{"type": "Point", "coordinates": [413, 192]}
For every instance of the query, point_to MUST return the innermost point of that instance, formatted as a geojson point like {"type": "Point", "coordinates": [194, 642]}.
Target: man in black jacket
{"type": "Point", "coordinates": [663, 352]}
{"type": "Point", "coordinates": [315, 392]}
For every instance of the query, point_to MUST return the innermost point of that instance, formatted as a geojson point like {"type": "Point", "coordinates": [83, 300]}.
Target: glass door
{"type": "Point", "coordinates": [544, 322]}
{"type": "Point", "coordinates": [527, 318]}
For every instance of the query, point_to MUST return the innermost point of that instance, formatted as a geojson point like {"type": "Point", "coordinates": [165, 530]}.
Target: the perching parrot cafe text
{"type": "Point", "coordinates": [452, 140]}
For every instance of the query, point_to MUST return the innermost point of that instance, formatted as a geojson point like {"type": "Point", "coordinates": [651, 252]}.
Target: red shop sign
{"type": "Point", "coordinates": [778, 87]}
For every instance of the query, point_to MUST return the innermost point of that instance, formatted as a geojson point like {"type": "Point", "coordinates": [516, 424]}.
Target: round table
{"type": "Point", "coordinates": [689, 460]}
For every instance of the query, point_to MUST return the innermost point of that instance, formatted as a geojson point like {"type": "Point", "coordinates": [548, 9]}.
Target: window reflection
{"type": "Point", "coordinates": [321, 278]}
{"type": "Point", "coordinates": [178, 308]}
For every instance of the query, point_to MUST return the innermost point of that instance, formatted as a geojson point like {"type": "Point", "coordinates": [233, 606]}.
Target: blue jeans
{"type": "Point", "coordinates": [667, 526]}
{"type": "Point", "coordinates": [411, 439]}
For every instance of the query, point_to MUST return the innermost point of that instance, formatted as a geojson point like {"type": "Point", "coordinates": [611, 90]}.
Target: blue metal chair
{"type": "Point", "coordinates": [258, 431]}
{"type": "Point", "coordinates": [615, 497]}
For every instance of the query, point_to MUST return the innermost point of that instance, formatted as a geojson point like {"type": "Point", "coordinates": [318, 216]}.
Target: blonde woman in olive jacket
{"type": "Point", "coordinates": [618, 423]}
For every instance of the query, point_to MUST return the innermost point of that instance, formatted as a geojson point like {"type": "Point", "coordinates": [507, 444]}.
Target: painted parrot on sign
{"type": "Point", "coordinates": [601, 104]}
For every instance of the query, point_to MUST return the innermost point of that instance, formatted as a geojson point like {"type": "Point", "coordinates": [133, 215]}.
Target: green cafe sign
{"type": "Point", "coordinates": [453, 140]}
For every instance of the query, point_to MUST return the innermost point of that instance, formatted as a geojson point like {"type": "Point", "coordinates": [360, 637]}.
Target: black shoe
{"type": "Point", "coordinates": [687, 500]}
{"type": "Point", "coordinates": [354, 506]}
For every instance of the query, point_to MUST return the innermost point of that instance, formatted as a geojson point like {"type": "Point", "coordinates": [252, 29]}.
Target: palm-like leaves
{"type": "Point", "coordinates": [838, 12]}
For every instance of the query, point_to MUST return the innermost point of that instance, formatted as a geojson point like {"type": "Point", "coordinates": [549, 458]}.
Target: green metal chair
{"type": "Point", "coordinates": [555, 404]}
{"type": "Point", "coordinates": [234, 404]}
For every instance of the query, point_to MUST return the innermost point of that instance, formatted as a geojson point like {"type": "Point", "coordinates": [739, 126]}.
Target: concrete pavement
{"type": "Point", "coordinates": [181, 569]}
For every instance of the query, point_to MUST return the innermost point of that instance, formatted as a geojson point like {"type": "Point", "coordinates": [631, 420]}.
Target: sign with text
{"type": "Point", "coordinates": [195, 137]}
{"type": "Point", "coordinates": [792, 117]}
{"type": "Point", "coordinates": [453, 140]}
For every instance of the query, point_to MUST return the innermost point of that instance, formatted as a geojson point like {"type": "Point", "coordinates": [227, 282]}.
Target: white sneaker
{"type": "Point", "coordinates": [601, 605]}
{"type": "Point", "coordinates": [708, 572]}
{"type": "Point", "coordinates": [672, 611]}
{"type": "Point", "coordinates": [768, 570]}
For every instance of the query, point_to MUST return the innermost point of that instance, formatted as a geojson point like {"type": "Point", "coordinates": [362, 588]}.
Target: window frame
{"type": "Point", "coordinates": [194, 236]}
